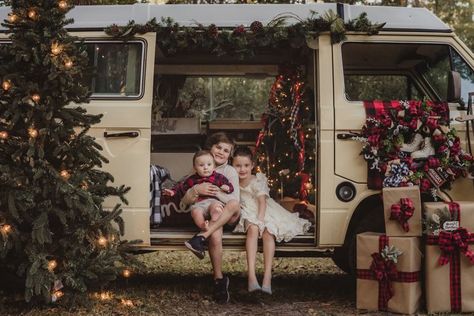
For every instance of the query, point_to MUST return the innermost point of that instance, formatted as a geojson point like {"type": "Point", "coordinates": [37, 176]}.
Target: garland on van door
{"type": "Point", "coordinates": [244, 41]}
{"type": "Point", "coordinates": [56, 238]}
{"type": "Point", "coordinates": [411, 143]}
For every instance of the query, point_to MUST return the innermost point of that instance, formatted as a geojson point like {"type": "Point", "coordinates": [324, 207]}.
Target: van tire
{"type": "Point", "coordinates": [372, 221]}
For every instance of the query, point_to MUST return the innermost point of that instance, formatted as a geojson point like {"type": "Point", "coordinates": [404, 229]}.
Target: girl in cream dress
{"type": "Point", "coordinates": [262, 217]}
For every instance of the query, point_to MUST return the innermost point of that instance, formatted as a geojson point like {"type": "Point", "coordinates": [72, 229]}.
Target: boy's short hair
{"type": "Point", "coordinates": [201, 153]}
{"type": "Point", "coordinates": [219, 137]}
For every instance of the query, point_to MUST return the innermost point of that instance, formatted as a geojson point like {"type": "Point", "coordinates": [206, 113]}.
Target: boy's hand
{"type": "Point", "coordinates": [225, 188]}
{"type": "Point", "coordinates": [168, 192]}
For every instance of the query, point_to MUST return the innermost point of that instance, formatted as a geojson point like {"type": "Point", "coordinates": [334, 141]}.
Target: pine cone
{"type": "Point", "coordinates": [256, 27]}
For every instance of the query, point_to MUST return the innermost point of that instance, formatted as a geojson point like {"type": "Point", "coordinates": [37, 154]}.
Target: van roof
{"type": "Point", "coordinates": [231, 15]}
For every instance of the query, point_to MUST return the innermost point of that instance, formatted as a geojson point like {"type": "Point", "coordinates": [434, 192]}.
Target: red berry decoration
{"type": "Point", "coordinates": [239, 30]}
{"type": "Point", "coordinates": [256, 27]}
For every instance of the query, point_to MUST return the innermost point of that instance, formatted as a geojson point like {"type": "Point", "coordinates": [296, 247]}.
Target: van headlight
{"type": "Point", "coordinates": [345, 191]}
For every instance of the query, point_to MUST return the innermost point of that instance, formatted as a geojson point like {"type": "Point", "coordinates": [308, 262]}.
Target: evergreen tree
{"type": "Point", "coordinates": [285, 146]}
{"type": "Point", "coordinates": [54, 230]}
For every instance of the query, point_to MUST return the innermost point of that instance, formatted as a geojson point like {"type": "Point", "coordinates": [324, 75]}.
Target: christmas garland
{"type": "Point", "coordinates": [174, 38]}
{"type": "Point", "coordinates": [411, 143]}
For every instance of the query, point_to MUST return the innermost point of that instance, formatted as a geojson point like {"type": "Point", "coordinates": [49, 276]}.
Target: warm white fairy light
{"type": "Point", "coordinates": [127, 303]}
{"type": "Point", "coordinates": [33, 132]}
{"type": "Point", "coordinates": [56, 48]}
{"type": "Point", "coordinates": [6, 85]}
{"type": "Point", "coordinates": [126, 273]}
{"type": "Point", "coordinates": [6, 228]}
{"type": "Point", "coordinates": [36, 97]}
{"type": "Point", "coordinates": [52, 264]}
{"type": "Point", "coordinates": [3, 135]}
{"type": "Point", "coordinates": [32, 14]}
{"type": "Point", "coordinates": [102, 241]}
{"type": "Point", "coordinates": [65, 174]}
{"type": "Point", "coordinates": [68, 63]}
{"type": "Point", "coordinates": [12, 17]}
{"type": "Point", "coordinates": [62, 4]}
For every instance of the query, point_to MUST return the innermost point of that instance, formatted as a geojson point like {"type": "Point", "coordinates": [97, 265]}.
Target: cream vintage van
{"type": "Point", "coordinates": [135, 134]}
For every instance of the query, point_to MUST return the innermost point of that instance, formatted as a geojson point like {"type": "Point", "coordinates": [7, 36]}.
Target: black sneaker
{"type": "Point", "coordinates": [221, 290]}
{"type": "Point", "coordinates": [197, 245]}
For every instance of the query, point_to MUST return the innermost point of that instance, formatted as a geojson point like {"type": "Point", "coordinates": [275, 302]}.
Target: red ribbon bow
{"type": "Point", "coordinates": [402, 212]}
{"type": "Point", "coordinates": [385, 271]}
{"type": "Point", "coordinates": [452, 243]}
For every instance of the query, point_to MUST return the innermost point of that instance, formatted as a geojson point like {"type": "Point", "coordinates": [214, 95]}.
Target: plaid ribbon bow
{"type": "Point", "coordinates": [452, 244]}
{"type": "Point", "coordinates": [385, 272]}
{"type": "Point", "coordinates": [402, 212]}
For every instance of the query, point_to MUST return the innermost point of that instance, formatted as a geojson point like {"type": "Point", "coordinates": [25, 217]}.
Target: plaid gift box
{"type": "Point", "coordinates": [402, 211]}
{"type": "Point", "coordinates": [450, 261]}
{"type": "Point", "coordinates": [383, 284]}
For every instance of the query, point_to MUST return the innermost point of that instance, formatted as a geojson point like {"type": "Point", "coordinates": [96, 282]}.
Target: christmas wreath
{"type": "Point", "coordinates": [411, 143]}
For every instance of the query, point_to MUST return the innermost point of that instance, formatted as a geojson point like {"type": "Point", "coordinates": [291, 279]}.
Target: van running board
{"type": "Point", "coordinates": [173, 239]}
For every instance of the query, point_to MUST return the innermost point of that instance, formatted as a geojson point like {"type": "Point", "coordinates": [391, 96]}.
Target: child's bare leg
{"type": "Point", "coordinates": [215, 210]}
{"type": "Point", "coordinates": [197, 214]}
{"type": "Point", "coordinates": [268, 254]}
{"type": "Point", "coordinates": [251, 244]}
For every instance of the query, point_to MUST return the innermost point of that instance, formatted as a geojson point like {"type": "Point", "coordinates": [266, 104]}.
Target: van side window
{"type": "Point", "coordinates": [212, 97]}
{"type": "Point", "coordinates": [118, 69]}
{"type": "Point", "coordinates": [396, 71]}
{"type": "Point", "coordinates": [467, 75]}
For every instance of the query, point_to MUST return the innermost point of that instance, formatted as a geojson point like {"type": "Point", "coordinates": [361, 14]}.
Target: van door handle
{"type": "Point", "coordinates": [122, 134]}
{"type": "Point", "coordinates": [346, 136]}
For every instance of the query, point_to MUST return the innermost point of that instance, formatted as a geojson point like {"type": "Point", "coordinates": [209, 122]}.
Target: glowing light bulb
{"type": "Point", "coordinates": [68, 63]}
{"type": "Point", "coordinates": [36, 97]}
{"type": "Point", "coordinates": [102, 241]}
{"type": "Point", "coordinates": [126, 273]}
{"type": "Point", "coordinates": [6, 85]}
{"type": "Point", "coordinates": [32, 14]}
{"type": "Point", "coordinates": [65, 174]}
{"type": "Point", "coordinates": [52, 264]}
{"type": "Point", "coordinates": [56, 48]}
{"type": "Point", "coordinates": [6, 229]}
{"type": "Point", "coordinates": [12, 17]}
{"type": "Point", "coordinates": [3, 135]}
{"type": "Point", "coordinates": [33, 132]}
{"type": "Point", "coordinates": [62, 4]}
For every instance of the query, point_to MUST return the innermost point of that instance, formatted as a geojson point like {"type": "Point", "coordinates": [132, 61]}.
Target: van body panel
{"type": "Point", "coordinates": [129, 157]}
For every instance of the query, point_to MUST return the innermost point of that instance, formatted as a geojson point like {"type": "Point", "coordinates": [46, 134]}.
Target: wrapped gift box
{"type": "Point", "coordinates": [401, 278]}
{"type": "Point", "coordinates": [402, 211]}
{"type": "Point", "coordinates": [449, 270]}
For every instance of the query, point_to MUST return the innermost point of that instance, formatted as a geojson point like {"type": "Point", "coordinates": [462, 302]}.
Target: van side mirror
{"type": "Point", "coordinates": [454, 86]}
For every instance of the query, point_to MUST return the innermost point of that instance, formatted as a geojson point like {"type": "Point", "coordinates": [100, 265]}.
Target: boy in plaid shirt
{"type": "Point", "coordinates": [203, 163]}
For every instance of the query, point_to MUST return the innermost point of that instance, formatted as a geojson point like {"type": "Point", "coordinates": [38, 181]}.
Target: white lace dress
{"type": "Point", "coordinates": [278, 221]}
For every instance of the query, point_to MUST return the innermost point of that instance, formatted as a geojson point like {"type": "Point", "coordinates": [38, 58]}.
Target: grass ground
{"type": "Point", "coordinates": [177, 283]}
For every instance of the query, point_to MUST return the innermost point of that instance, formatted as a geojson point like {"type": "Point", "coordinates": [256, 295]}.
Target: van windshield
{"type": "Point", "coordinates": [401, 71]}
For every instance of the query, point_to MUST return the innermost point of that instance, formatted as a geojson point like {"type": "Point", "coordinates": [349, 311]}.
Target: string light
{"type": "Point", "coordinates": [56, 48]}
{"type": "Point", "coordinates": [102, 241]}
{"type": "Point", "coordinates": [56, 295]}
{"type": "Point", "coordinates": [3, 135]}
{"type": "Point", "coordinates": [65, 174]}
{"type": "Point", "coordinates": [104, 296]}
{"type": "Point", "coordinates": [126, 273]}
{"type": "Point", "coordinates": [68, 63]}
{"type": "Point", "coordinates": [12, 17]}
{"type": "Point", "coordinates": [52, 264]}
{"type": "Point", "coordinates": [36, 97]}
{"type": "Point", "coordinates": [32, 14]}
{"type": "Point", "coordinates": [32, 132]}
{"type": "Point", "coordinates": [127, 303]}
{"type": "Point", "coordinates": [6, 229]}
{"type": "Point", "coordinates": [62, 4]}
{"type": "Point", "coordinates": [6, 85]}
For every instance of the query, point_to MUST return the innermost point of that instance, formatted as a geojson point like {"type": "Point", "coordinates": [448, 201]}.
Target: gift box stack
{"type": "Point", "coordinates": [449, 262]}
{"type": "Point", "coordinates": [389, 265]}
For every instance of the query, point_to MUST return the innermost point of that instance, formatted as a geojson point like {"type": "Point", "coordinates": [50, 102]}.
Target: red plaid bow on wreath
{"type": "Point", "coordinates": [402, 212]}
